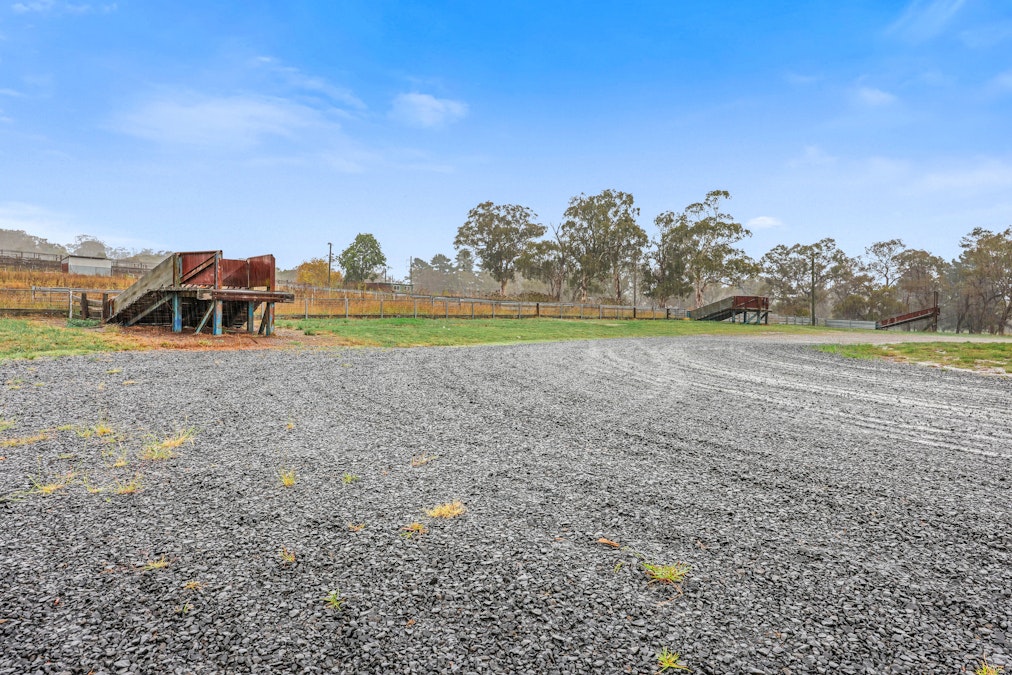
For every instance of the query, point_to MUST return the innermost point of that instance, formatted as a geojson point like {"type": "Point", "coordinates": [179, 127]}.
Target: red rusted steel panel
{"type": "Point", "coordinates": [909, 316]}
{"type": "Point", "coordinates": [234, 273]}
{"type": "Point", "coordinates": [197, 268]}
{"type": "Point", "coordinates": [261, 272]}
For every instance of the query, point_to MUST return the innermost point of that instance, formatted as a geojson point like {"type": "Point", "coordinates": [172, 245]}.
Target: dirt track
{"type": "Point", "coordinates": [839, 516]}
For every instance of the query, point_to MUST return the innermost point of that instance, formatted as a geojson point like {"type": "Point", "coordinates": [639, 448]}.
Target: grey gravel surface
{"type": "Point", "coordinates": [839, 516]}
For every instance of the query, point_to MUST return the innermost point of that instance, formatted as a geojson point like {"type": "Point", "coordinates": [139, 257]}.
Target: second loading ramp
{"type": "Point", "coordinates": [737, 308]}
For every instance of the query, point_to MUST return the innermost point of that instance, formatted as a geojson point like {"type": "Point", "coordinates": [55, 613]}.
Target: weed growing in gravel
{"type": "Point", "coordinates": [102, 429]}
{"type": "Point", "coordinates": [152, 565]}
{"type": "Point", "coordinates": [129, 487]}
{"type": "Point", "coordinates": [669, 661]}
{"type": "Point", "coordinates": [6, 424]}
{"type": "Point", "coordinates": [163, 449]}
{"type": "Point", "coordinates": [666, 574]}
{"type": "Point", "coordinates": [290, 425]}
{"type": "Point", "coordinates": [287, 477]}
{"type": "Point", "coordinates": [422, 459]}
{"type": "Point", "coordinates": [154, 452]}
{"type": "Point", "coordinates": [356, 527]}
{"type": "Point", "coordinates": [287, 556]}
{"type": "Point", "coordinates": [447, 510]}
{"type": "Point", "coordinates": [24, 440]}
{"type": "Point", "coordinates": [986, 668]}
{"type": "Point", "coordinates": [413, 529]}
{"type": "Point", "coordinates": [47, 486]}
{"type": "Point", "coordinates": [121, 461]}
{"type": "Point", "coordinates": [114, 371]}
{"type": "Point", "coordinates": [334, 599]}
{"type": "Point", "coordinates": [349, 478]}
{"type": "Point", "coordinates": [194, 585]}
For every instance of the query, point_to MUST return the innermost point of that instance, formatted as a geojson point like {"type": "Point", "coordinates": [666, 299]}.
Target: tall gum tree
{"type": "Point", "coordinates": [499, 234]}
{"type": "Point", "coordinates": [603, 238]}
{"type": "Point", "coordinates": [708, 236]}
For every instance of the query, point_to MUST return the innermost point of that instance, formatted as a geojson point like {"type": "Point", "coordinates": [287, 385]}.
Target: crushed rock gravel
{"type": "Point", "coordinates": [839, 516]}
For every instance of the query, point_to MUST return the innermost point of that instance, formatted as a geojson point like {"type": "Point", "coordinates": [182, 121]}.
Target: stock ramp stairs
{"type": "Point", "coordinates": [743, 308]}
{"type": "Point", "coordinates": [199, 289]}
{"type": "Point", "coordinates": [929, 313]}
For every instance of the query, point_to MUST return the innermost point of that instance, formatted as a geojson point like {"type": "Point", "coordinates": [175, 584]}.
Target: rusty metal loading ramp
{"type": "Point", "coordinates": [744, 308]}
{"type": "Point", "coordinates": [929, 313]}
{"type": "Point", "coordinates": [201, 288]}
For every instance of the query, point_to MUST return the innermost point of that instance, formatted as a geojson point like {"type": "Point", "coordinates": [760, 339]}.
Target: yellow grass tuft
{"type": "Point", "coordinates": [128, 487]}
{"type": "Point", "coordinates": [422, 459]}
{"type": "Point", "coordinates": [287, 476]}
{"type": "Point", "coordinates": [23, 440]}
{"type": "Point", "coordinates": [152, 565]}
{"type": "Point", "coordinates": [447, 510]}
{"type": "Point", "coordinates": [287, 556]}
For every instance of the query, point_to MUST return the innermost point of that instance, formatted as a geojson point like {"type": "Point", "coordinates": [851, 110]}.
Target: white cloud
{"type": "Point", "coordinates": [36, 220]}
{"type": "Point", "coordinates": [296, 79]}
{"type": "Point", "coordinates": [424, 110]}
{"type": "Point", "coordinates": [813, 155]}
{"type": "Point", "coordinates": [53, 7]}
{"type": "Point", "coordinates": [225, 121]}
{"type": "Point", "coordinates": [984, 36]}
{"type": "Point", "coordinates": [871, 96]}
{"type": "Point", "coordinates": [985, 175]}
{"type": "Point", "coordinates": [801, 80]}
{"type": "Point", "coordinates": [1002, 82]}
{"type": "Point", "coordinates": [764, 223]}
{"type": "Point", "coordinates": [12, 93]}
{"type": "Point", "coordinates": [925, 19]}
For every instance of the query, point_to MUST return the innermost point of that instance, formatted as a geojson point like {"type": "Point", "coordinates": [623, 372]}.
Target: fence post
{"type": "Point", "coordinates": [346, 307]}
{"type": "Point", "coordinates": [416, 307]}
{"type": "Point", "coordinates": [472, 309]}
{"type": "Point", "coordinates": [84, 306]}
{"type": "Point", "coordinates": [307, 306]}
{"type": "Point", "coordinates": [600, 311]}
{"type": "Point", "coordinates": [446, 308]}
{"type": "Point", "coordinates": [537, 309]}
{"type": "Point", "coordinates": [105, 305]}
{"type": "Point", "coordinates": [520, 308]}
{"type": "Point", "coordinates": [381, 308]}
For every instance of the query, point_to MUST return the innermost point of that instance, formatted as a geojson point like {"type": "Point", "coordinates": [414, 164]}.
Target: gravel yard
{"type": "Point", "coordinates": [839, 516]}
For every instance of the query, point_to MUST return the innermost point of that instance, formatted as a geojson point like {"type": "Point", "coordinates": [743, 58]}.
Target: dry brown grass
{"type": "Point", "coordinates": [24, 440]}
{"type": "Point", "coordinates": [447, 510]}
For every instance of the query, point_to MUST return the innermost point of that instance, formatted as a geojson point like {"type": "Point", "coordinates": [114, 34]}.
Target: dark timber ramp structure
{"type": "Point", "coordinates": [744, 308]}
{"type": "Point", "coordinates": [198, 289]}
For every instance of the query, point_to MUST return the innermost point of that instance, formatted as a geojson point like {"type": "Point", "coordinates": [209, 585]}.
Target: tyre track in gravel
{"type": "Point", "coordinates": [840, 516]}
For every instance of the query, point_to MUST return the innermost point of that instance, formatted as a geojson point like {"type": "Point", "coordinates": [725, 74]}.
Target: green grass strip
{"type": "Point", "coordinates": [21, 339]}
{"type": "Point", "coordinates": [411, 332]}
{"type": "Point", "coordinates": [982, 356]}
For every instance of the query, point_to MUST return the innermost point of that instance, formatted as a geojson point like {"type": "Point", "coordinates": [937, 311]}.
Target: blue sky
{"type": "Point", "coordinates": [277, 127]}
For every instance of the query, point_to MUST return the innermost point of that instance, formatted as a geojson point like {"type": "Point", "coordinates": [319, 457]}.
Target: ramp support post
{"type": "Point", "coordinates": [216, 326]}
{"type": "Point", "coordinates": [250, 308]}
{"type": "Point", "coordinates": [177, 313]}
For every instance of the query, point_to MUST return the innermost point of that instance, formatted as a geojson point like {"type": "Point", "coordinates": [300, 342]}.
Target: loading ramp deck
{"type": "Point", "coordinates": [738, 308]}
{"type": "Point", "coordinates": [926, 313]}
{"type": "Point", "coordinates": [199, 289]}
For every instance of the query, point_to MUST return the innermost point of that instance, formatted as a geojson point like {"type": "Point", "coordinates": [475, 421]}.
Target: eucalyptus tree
{"type": "Point", "coordinates": [708, 236]}
{"type": "Point", "coordinates": [499, 234]}
{"type": "Point", "coordinates": [602, 238]}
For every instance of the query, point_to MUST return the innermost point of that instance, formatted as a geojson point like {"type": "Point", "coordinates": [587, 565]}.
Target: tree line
{"type": "Point", "coordinates": [600, 249]}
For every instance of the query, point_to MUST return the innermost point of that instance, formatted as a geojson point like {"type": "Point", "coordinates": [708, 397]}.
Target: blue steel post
{"type": "Point", "coordinates": [177, 313]}
{"type": "Point", "coordinates": [269, 318]}
{"type": "Point", "coordinates": [217, 318]}
{"type": "Point", "coordinates": [250, 308]}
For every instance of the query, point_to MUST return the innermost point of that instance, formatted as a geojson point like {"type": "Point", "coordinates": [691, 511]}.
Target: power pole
{"type": "Point", "coordinates": [813, 287]}
{"type": "Point", "coordinates": [330, 261]}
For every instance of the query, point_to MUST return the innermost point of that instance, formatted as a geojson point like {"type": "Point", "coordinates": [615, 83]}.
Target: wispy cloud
{"type": "Point", "coordinates": [12, 93]}
{"type": "Point", "coordinates": [873, 96]}
{"type": "Point", "coordinates": [924, 19]}
{"type": "Point", "coordinates": [984, 36]}
{"type": "Point", "coordinates": [800, 79]}
{"type": "Point", "coordinates": [763, 223]}
{"type": "Point", "coordinates": [296, 79]}
{"type": "Point", "coordinates": [54, 7]}
{"type": "Point", "coordinates": [427, 111]}
{"type": "Point", "coordinates": [1002, 82]}
{"type": "Point", "coordinates": [36, 220]}
{"type": "Point", "coordinates": [235, 122]}
{"type": "Point", "coordinates": [980, 176]}
{"type": "Point", "coordinates": [813, 155]}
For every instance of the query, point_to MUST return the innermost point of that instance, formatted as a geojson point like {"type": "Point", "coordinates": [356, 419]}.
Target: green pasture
{"type": "Point", "coordinates": [992, 356]}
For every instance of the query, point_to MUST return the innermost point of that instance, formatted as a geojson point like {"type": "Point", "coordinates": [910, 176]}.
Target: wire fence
{"type": "Point", "coordinates": [312, 303]}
